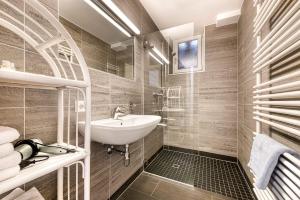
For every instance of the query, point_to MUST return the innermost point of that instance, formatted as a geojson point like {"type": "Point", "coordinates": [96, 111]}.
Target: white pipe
{"type": "Point", "coordinates": [278, 44]}
{"type": "Point", "coordinates": [275, 32]}
{"type": "Point", "coordinates": [87, 144]}
{"type": "Point", "coordinates": [293, 159]}
{"type": "Point", "coordinates": [278, 103]}
{"type": "Point", "coordinates": [60, 140]}
{"type": "Point", "coordinates": [267, 14]}
{"type": "Point", "coordinates": [279, 79]}
{"type": "Point", "coordinates": [286, 67]}
{"type": "Point", "coordinates": [285, 61]}
{"type": "Point", "coordinates": [288, 173]}
{"type": "Point", "coordinates": [289, 183]}
{"type": "Point", "coordinates": [290, 166]}
{"type": "Point", "coordinates": [278, 110]}
{"type": "Point", "coordinates": [279, 87]}
{"type": "Point", "coordinates": [265, 5]}
{"type": "Point", "coordinates": [279, 95]}
{"type": "Point", "coordinates": [280, 190]}
{"type": "Point", "coordinates": [278, 118]}
{"type": "Point", "coordinates": [282, 127]}
{"type": "Point", "coordinates": [290, 48]}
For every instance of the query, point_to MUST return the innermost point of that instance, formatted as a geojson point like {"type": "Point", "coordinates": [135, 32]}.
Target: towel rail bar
{"type": "Point", "coordinates": [282, 24]}
{"type": "Point", "coordinates": [278, 110]}
{"type": "Point", "coordinates": [288, 182]}
{"type": "Point", "coordinates": [279, 79]}
{"type": "Point", "coordinates": [278, 103]}
{"type": "Point", "coordinates": [285, 187]}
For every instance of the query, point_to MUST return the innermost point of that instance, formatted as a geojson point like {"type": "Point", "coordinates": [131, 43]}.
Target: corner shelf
{"type": "Point", "coordinates": [26, 79]}
{"type": "Point", "coordinates": [40, 169]}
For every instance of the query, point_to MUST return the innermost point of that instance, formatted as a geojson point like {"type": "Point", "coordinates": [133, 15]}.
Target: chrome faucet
{"type": "Point", "coordinates": [119, 111]}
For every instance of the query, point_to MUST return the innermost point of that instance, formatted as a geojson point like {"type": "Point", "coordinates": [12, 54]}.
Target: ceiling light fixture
{"type": "Point", "coordinates": [107, 17]}
{"type": "Point", "coordinates": [155, 58]}
{"type": "Point", "coordinates": [121, 15]}
{"type": "Point", "coordinates": [156, 51]}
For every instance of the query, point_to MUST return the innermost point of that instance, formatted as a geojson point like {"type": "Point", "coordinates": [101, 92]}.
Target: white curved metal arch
{"type": "Point", "coordinates": [44, 48]}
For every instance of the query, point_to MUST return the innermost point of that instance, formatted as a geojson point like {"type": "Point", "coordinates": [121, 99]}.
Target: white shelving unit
{"type": "Point", "coordinates": [46, 34]}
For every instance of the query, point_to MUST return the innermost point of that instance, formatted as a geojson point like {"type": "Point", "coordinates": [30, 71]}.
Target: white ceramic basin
{"type": "Point", "coordinates": [123, 131]}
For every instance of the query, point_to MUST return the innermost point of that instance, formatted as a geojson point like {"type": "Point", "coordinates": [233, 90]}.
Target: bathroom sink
{"type": "Point", "coordinates": [122, 131]}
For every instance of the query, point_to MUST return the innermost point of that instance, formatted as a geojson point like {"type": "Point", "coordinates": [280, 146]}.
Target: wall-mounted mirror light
{"type": "Point", "coordinates": [160, 55]}
{"type": "Point", "coordinates": [97, 5]}
{"type": "Point", "coordinates": [102, 36]}
{"type": "Point", "coordinates": [155, 58]}
{"type": "Point", "coordinates": [121, 15]}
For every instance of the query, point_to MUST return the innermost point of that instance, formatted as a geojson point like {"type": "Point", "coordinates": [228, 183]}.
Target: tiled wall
{"type": "Point", "coordinates": [34, 112]}
{"type": "Point", "coordinates": [209, 121]}
{"type": "Point", "coordinates": [246, 81]}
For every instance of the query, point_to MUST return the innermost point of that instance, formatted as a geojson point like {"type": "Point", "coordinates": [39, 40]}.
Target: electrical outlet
{"type": "Point", "coordinates": [79, 106]}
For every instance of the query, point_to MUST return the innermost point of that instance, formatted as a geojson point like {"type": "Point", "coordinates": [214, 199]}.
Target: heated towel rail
{"type": "Point", "coordinates": [277, 90]}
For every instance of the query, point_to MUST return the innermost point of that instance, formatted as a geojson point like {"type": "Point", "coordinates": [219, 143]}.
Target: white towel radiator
{"type": "Point", "coordinates": [277, 99]}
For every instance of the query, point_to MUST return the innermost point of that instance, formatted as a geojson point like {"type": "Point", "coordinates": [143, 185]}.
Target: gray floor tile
{"type": "Point", "coordinates": [130, 194]}
{"type": "Point", "coordinates": [170, 191]}
{"type": "Point", "coordinates": [145, 184]}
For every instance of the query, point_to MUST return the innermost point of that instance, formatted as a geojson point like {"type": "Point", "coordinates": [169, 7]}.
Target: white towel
{"type": "Point", "coordinates": [8, 134]}
{"type": "Point", "coordinates": [264, 157]}
{"type": "Point", "coordinates": [9, 172]}
{"type": "Point", "coordinates": [14, 194]}
{"type": "Point", "coordinates": [32, 194]}
{"type": "Point", "coordinates": [11, 160]}
{"type": "Point", "coordinates": [6, 149]}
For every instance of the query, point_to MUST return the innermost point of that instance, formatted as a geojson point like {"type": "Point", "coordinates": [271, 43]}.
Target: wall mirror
{"type": "Point", "coordinates": [104, 46]}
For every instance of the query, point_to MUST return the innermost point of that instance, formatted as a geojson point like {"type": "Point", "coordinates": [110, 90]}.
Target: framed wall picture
{"type": "Point", "coordinates": [188, 54]}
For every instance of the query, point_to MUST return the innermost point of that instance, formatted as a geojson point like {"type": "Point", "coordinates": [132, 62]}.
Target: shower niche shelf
{"type": "Point", "coordinates": [45, 38]}
{"type": "Point", "coordinates": [42, 168]}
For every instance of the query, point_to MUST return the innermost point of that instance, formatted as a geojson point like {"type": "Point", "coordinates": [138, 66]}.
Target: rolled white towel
{"type": "Point", "coordinates": [9, 172]}
{"type": "Point", "coordinates": [6, 149]}
{"type": "Point", "coordinates": [32, 194]}
{"type": "Point", "coordinates": [11, 160]}
{"type": "Point", "coordinates": [14, 194]}
{"type": "Point", "coordinates": [8, 134]}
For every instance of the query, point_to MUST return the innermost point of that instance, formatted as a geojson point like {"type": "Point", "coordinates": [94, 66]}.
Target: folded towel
{"type": "Point", "coordinates": [14, 194]}
{"type": "Point", "coordinates": [32, 194]}
{"type": "Point", "coordinates": [6, 149]}
{"type": "Point", "coordinates": [8, 134]}
{"type": "Point", "coordinates": [11, 160]}
{"type": "Point", "coordinates": [9, 172]}
{"type": "Point", "coordinates": [264, 157]}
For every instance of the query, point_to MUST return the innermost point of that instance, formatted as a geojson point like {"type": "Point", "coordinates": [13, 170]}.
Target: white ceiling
{"type": "Point", "coordinates": [79, 13]}
{"type": "Point", "coordinates": [170, 13]}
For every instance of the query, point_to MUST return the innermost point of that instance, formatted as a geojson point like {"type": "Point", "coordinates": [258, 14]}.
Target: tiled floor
{"type": "Point", "coordinates": [217, 176]}
{"type": "Point", "coordinates": [151, 187]}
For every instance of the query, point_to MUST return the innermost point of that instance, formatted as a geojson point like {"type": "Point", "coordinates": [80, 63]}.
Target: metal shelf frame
{"type": "Point", "coordinates": [44, 34]}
